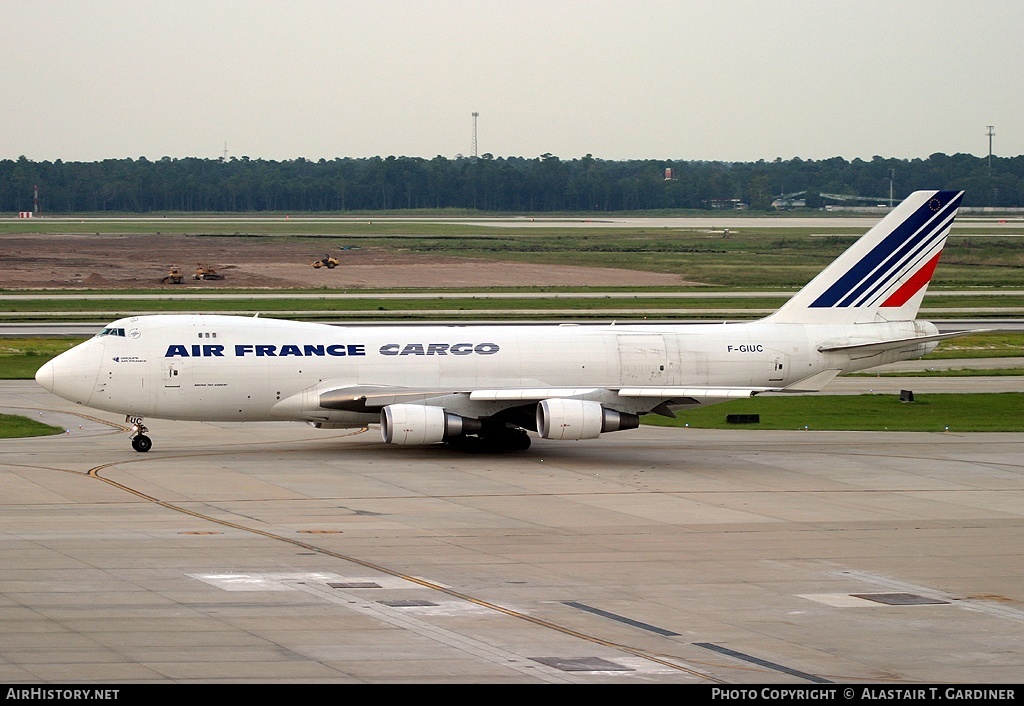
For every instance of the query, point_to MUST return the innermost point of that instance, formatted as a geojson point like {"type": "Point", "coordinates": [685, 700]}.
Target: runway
{"type": "Point", "coordinates": [279, 553]}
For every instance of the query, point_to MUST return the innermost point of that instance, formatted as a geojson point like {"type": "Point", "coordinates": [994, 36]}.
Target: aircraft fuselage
{"type": "Point", "coordinates": [226, 368]}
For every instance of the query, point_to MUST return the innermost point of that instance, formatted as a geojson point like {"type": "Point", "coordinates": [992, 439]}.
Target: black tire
{"type": "Point", "coordinates": [502, 443]}
{"type": "Point", "coordinates": [142, 443]}
{"type": "Point", "coordinates": [518, 441]}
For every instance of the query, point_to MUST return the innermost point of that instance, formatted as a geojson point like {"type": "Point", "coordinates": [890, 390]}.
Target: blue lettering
{"type": "Point", "coordinates": [266, 350]}
{"type": "Point", "coordinates": [486, 348]}
{"type": "Point", "coordinates": [413, 349]}
{"type": "Point", "coordinates": [462, 348]}
{"type": "Point", "coordinates": [389, 349]}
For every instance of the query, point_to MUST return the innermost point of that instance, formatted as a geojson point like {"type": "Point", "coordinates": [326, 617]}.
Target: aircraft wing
{"type": "Point", "coordinates": [363, 398]}
{"type": "Point", "coordinates": [370, 398]}
{"type": "Point", "coordinates": [533, 394]}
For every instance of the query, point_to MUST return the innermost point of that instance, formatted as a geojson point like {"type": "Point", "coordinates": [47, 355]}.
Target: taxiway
{"type": "Point", "coordinates": [280, 553]}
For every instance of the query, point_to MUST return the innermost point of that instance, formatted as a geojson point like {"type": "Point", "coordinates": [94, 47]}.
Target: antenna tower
{"type": "Point", "coordinates": [991, 132]}
{"type": "Point", "coordinates": [475, 116]}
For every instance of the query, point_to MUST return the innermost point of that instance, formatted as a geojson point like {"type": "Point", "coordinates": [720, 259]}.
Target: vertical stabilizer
{"type": "Point", "coordinates": [884, 275]}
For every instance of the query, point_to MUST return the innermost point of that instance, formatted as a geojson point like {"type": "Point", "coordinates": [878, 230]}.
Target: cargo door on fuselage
{"type": "Point", "coordinates": [643, 359]}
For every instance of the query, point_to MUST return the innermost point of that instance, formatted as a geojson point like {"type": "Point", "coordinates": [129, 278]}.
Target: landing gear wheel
{"type": "Point", "coordinates": [504, 442]}
{"type": "Point", "coordinates": [519, 441]}
{"type": "Point", "coordinates": [140, 442]}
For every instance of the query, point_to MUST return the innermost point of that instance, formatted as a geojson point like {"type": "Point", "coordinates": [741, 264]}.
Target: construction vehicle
{"type": "Point", "coordinates": [326, 261]}
{"type": "Point", "coordinates": [173, 276]}
{"type": "Point", "coordinates": [206, 272]}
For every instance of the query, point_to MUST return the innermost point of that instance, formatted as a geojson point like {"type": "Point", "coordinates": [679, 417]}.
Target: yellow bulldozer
{"type": "Point", "coordinates": [173, 276]}
{"type": "Point", "coordinates": [326, 261]}
{"type": "Point", "coordinates": [206, 272]}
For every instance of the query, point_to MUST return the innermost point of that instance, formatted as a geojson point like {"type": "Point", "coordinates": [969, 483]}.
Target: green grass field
{"type": "Point", "coordinates": [722, 307]}
{"type": "Point", "coordinates": [937, 413]}
{"type": "Point", "coordinates": [20, 358]}
{"type": "Point", "coordinates": [13, 426]}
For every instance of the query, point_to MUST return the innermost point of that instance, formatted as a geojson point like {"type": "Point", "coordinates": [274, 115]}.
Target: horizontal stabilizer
{"type": "Point", "coordinates": [895, 343]}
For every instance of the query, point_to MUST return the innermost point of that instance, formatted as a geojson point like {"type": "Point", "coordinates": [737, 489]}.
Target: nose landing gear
{"type": "Point", "coordinates": [140, 442]}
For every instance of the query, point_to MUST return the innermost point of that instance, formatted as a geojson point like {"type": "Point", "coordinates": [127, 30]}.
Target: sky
{"type": "Point", "coordinates": [728, 80]}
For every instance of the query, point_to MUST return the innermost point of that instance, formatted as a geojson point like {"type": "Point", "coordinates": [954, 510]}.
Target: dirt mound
{"type": "Point", "coordinates": [141, 261]}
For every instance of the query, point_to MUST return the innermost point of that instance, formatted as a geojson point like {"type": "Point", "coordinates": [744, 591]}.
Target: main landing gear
{"type": "Point", "coordinates": [500, 440]}
{"type": "Point", "coordinates": [140, 442]}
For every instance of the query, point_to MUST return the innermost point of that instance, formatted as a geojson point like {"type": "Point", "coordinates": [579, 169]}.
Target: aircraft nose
{"type": "Point", "coordinates": [44, 376]}
{"type": "Point", "coordinates": [72, 375]}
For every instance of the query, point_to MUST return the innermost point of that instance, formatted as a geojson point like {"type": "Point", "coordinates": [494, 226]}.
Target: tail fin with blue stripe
{"type": "Point", "coordinates": [884, 275]}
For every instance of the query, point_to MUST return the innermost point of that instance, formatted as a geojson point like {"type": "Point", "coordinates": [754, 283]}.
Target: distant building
{"type": "Point", "coordinates": [727, 204]}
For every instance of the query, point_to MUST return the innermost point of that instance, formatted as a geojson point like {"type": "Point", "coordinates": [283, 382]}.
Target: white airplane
{"type": "Point", "coordinates": [487, 386]}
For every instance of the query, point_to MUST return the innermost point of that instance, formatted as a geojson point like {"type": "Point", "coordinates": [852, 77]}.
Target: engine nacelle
{"type": "Point", "coordinates": [408, 424]}
{"type": "Point", "coordinates": [559, 418]}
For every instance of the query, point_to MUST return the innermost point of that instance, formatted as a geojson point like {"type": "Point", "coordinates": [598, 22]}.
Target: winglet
{"type": "Point", "coordinates": [884, 275]}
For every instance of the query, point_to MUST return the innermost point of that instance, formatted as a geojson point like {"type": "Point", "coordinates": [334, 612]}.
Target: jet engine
{"type": "Point", "coordinates": [559, 418]}
{"type": "Point", "coordinates": [407, 424]}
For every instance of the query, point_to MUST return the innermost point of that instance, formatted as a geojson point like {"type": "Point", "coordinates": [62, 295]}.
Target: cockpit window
{"type": "Point", "coordinates": [111, 332]}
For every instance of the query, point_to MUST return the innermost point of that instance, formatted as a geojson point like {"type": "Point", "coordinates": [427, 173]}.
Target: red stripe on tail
{"type": "Point", "coordinates": [913, 285]}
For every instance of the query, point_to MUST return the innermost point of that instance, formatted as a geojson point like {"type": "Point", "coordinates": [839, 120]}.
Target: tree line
{"type": "Point", "coordinates": [503, 185]}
